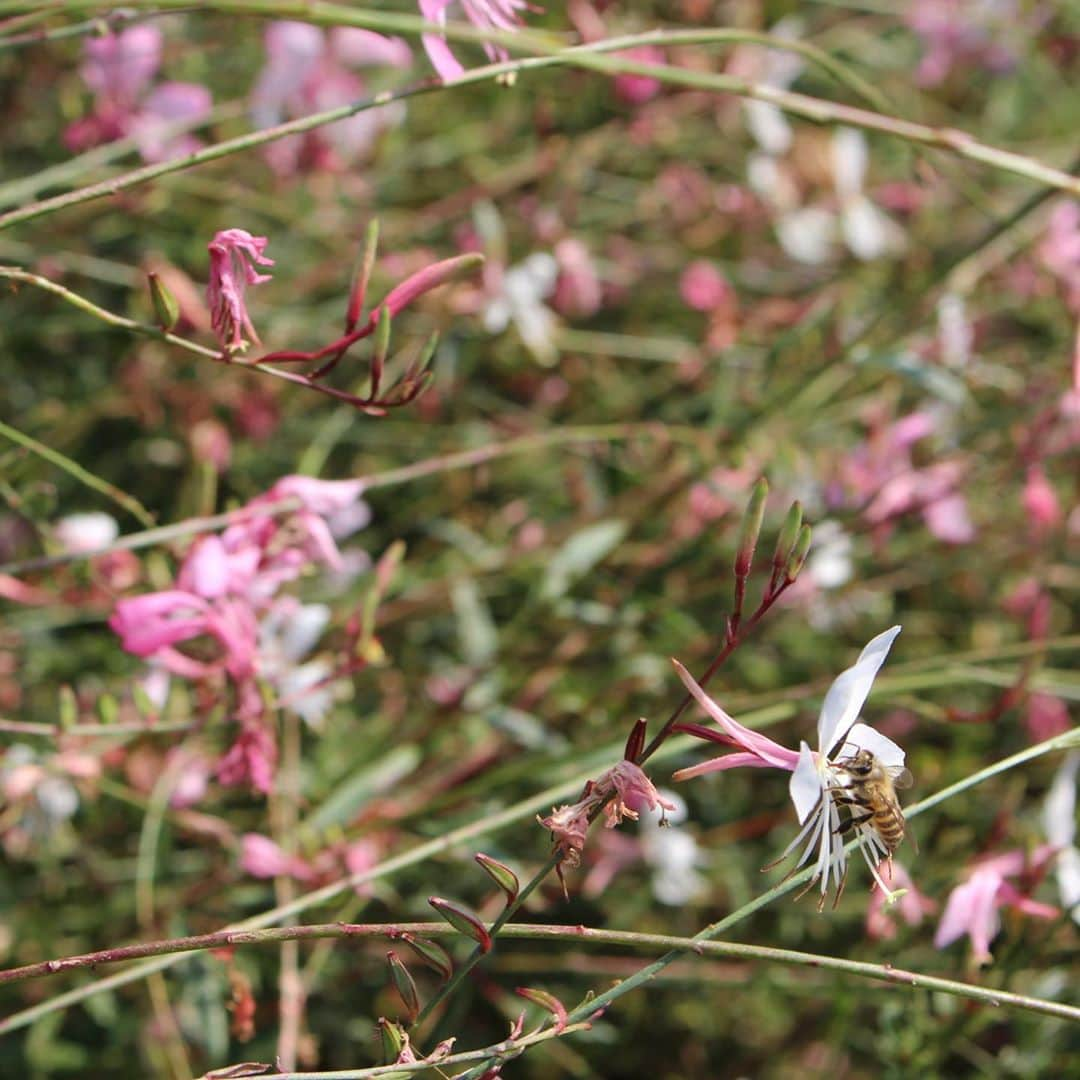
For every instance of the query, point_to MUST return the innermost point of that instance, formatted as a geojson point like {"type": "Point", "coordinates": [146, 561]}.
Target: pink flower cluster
{"type": "Point", "coordinates": [483, 14]}
{"type": "Point", "coordinates": [882, 477]}
{"type": "Point", "coordinates": [119, 69]}
{"type": "Point", "coordinates": [621, 793]}
{"type": "Point", "coordinates": [227, 595]}
{"type": "Point", "coordinates": [973, 907]}
{"type": "Point", "coordinates": [308, 71]}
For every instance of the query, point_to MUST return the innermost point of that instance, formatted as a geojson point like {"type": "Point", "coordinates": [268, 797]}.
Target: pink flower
{"type": "Point", "coordinates": [307, 71]}
{"type": "Point", "coordinates": [633, 790]}
{"type": "Point", "coordinates": [1047, 716]}
{"type": "Point", "coordinates": [703, 287]}
{"type": "Point", "coordinates": [959, 33]}
{"type": "Point", "coordinates": [638, 89]}
{"type": "Point", "coordinates": [119, 69]}
{"type": "Point", "coordinates": [972, 908]}
{"type": "Point", "coordinates": [227, 590]}
{"type": "Point", "coordinates": [911, 905]}
{"type": "Point", "coordinates": [251, 759]}
{"type": "Point", "coordinates": [1040, 502]}
{"type": "Point", "coordinates": [622, 791]}
{"type": "Point", "coordinates": [577, 290]}
{"type": "Point", "coordinates": [1059, 250]}
{"type": "Point", "coordinates": [262, 858]}
{"type": "Point", "coordinates": [484, 14]}
{"type": "Point", "coordinates": [233, 255]}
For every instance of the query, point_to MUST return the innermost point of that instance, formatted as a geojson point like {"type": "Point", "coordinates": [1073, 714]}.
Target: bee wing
{"type": "Point", "coordinates": [902, 778]}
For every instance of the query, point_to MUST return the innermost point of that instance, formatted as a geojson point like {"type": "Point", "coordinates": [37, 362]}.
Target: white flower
{"type": "Point", "coordinates": [523, 289]}
{"type": "Point", "coordinates": [1059, 824]}
{"type": "Point", "coordinates": [672, 853]}
{"type": "Point", "coordinates": [816, 778]}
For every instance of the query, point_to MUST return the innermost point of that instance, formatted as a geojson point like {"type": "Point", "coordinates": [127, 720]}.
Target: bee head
{"type": "Point", "coordinates": [861, 765]}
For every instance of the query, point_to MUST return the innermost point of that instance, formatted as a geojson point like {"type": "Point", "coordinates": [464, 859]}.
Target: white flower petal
{"type": "Point", "coordinates": [849, 156]}
{"type": "Point", "coordinates": [868, 231]}
{"type": "Point", "coordinates": [806, 784]}
{"type": "Point", "coordinates": [849, 691]}
{"type": "Point", "coordinates": [1059, 809]}
{"type": "Point", "coordinates": [807, 234]}
{"type": "Point", "coordinates": [864, 737]}
{"type": "Point", "coordinates": [768, 126]}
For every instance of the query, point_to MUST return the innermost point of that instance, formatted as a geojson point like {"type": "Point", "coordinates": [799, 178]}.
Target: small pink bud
{"type": "Point", "coordinates": [703, 287]}
{"type": "Point", "coordinates": [463, 920]}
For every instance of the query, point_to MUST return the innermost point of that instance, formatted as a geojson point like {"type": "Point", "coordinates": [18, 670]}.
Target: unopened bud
{"type": "Point", "coordinates": [501, 874]}
{"type": "Point", "coordinates": [361, 277]}
{"type": "Point", "coordinates": [462, 920]}
{"type": "Point", "coordinates": [798, 554]}
{"type": "Point", "coordinates": [404, 985]}
{"type": "Point", "coordinates": [545, 1001]}
{"type": "Point", "coordinates": [789, 533]}
{"type": "Point", "coordinates": [166, 307]}
{"type": "Point", "coordinates": [635, 742]}
{"type": "Point", "coordinates": [393, 1038]}
{"type": "Point", "coordinates": [69, 707]}
{"type": "Point", "coordinates": [751, 528]}
{"type": "Point", "coordinates": [432, 954]}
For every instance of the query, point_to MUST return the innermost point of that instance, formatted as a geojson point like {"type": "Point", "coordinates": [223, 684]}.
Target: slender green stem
{"type": "Point", "coordinates": [588, 57]}
{"type": "Point", "coordinates": [84, 476]}
{"type": "Point", "coordinates": [624, 939]}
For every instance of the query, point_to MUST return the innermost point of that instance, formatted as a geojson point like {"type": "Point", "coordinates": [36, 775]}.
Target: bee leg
{"type": "Point", "coordinates": [840, 889]}
{"type": "Point", "coordinates": [853, 821]}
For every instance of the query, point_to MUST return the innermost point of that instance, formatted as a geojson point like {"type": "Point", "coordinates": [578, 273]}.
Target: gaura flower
{"type": "Point", "coordinates": [233, 256]}
{"type": "Point", "coordinates": [910, 904]}
{"type": "Point", "coordinates": [972, 908]}
{"type": "Point", "coordinates": [483, 14]}
{"type": "Point", "coordinates": [818, 778]}
{"type": "Point", "coordinates": [622, 792]}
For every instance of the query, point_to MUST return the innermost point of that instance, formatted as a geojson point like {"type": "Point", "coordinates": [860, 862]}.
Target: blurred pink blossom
{"type": "Point", "coordinates": [233, 256]}
{"type": "Point", "coordinates": [911, 905]}
{"type": "Point", "coordinates": [1046, 716]}
{"type": "Point", "coordinates": [483, 14]}
{"type": "Point", "coordinates": [119, 69]}
{"type": "Point", "coordinates": [973, 907]}
{"type": "Point", "coordinates": [227, 590]}
{"type": "Point", "coordinates": [881, 476]}
{"type": "Point", "coordinates": [1040, 502]}
{"type": "Point", "coordinates": [638, 89]}
{"type": "Point", "coordinates": [962, 33]}
{"type": "Point", "coordinates": [578, 291]}
{"type": "Point", "coordinates": [307, 71]}
{"type": "Point", "coordinates": [703, 287]}
{"type": "Point", "coordinates": [262, 858]}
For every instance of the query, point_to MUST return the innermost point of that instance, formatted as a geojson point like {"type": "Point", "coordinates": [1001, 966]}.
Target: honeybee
{"type": "Point", "coordinates": [870, 795]}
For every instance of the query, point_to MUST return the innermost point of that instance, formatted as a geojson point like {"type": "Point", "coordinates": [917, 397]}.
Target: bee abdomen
{"type": "Point", "coordinates": [890, 827]}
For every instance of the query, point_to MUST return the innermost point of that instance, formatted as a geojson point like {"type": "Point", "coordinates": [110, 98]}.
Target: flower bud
{"type": "Point", "coordinates": [361, 277]}
{"type": "Point", "coordinates": [635, 742]}
{"type": "Point", "coordinates": [432, 954]}
{"type": "Point", "coordinates": [545, 1001]}
{"type": "Point", "coordinates": [501, 874]}
{"type": "Point", "coordinates": [166, 307]}
{"type": "Point", "coordinates": [393, 1038]}
{"type": "Point", "coordinates": [798, 554]}
{"type": "Point", "coordinates": [751, 528]}
{"type": "Point", "coordinates": [462, 920]}
{"type": "Point", "coordinates": [789, 533]}
{"type": "Point", "coordinates": [404, 985]}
